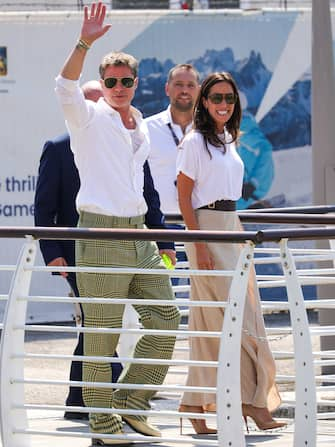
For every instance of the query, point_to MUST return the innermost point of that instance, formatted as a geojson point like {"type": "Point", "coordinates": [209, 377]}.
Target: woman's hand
{"type": "Point", "coordinates": [93, 25]}
{"type": "Point", "coordinates": [204, 258]}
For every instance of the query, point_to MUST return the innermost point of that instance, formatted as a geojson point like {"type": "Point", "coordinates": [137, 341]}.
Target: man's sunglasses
{"type": "Point", "coordinates": [126, 82]}
{"type": "Point", "coordinates": [217, 98]}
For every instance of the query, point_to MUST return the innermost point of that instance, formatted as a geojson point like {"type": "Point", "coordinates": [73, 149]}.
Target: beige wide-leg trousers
{"type": "Point", "coordinates": [258, 386]}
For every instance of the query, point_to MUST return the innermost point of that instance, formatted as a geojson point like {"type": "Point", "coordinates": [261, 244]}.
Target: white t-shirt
{"type": "Point", "coordinates": [162, 158]}
{"type": "Point", "coordinates": [216, 178]}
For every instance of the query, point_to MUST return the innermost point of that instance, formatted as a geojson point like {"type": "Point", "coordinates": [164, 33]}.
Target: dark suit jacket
{"type": "Point", "coordinates": [56, 190]}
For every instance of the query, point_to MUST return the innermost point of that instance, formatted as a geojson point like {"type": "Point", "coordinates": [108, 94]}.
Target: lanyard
{"type": "Point", "coordinates": [174, 136]}
{"type": "Point", "coordinates": [176, 140]}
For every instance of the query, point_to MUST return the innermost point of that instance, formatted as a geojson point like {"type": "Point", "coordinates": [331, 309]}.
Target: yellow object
{"type": "Point", "coordinates": [167, 261]}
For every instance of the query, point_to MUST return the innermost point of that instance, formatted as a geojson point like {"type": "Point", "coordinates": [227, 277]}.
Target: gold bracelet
{"type": "Point", "coordinates": [82, 44]}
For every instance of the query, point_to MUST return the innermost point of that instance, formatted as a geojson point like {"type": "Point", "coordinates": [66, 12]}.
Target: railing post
{"type": "Point", "coordinates": [306, 407]}
{"type": "Point", "coordinates": [13, 341]}
{"type": "Point", "coordinates": [229, 406]}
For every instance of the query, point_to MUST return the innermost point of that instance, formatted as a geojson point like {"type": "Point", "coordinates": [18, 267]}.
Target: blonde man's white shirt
{"type": "Point", "coordinates": [119, 163]}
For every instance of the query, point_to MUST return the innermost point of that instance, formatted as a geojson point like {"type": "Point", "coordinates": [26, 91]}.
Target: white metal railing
{"type": "Point", "coordinates": [13, 417]}
{"type": "Point", "coordinates": [15, 431]}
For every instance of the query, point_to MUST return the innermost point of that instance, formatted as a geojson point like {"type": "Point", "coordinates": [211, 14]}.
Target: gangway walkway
{"type": "Point", "coordinates": [28, 425]}
{"type": "Point", "coordinates": [55, 421]}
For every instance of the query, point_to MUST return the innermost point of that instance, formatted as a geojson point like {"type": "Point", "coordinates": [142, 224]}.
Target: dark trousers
{"type": "Point", "coordinates": [75, 397]}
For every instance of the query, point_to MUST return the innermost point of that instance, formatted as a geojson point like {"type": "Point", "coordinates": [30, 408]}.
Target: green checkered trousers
{"type": "Point", "coordinates": [136, 254]}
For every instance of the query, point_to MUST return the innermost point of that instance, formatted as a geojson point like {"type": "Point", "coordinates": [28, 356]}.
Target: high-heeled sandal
{"type": "Point", "coordinates": [210, 408]}
{"type": "Point", "coordinates": [199, 425]}
{"type": "Point", "coordinates": [261, 416]}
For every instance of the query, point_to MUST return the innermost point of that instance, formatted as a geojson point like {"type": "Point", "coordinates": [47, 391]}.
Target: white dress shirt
{"type": "Point", "coordinates": [110, 167]}
{"type": "Point", "coordinates": [162, 158]}
{"type": "Point", "coordinates": [216, 178]}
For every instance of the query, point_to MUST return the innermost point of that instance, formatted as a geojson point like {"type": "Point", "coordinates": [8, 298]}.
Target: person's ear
{"type": "Point", "coordinates": [205, 103]}
{"type": "Point", "coordinates": [167, 89]}
{"type": "Point", "coordinates": [135, 83]}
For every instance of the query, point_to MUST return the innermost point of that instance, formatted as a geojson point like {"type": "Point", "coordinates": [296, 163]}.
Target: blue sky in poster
{"type": "Point", "coordinates": [180, 39]}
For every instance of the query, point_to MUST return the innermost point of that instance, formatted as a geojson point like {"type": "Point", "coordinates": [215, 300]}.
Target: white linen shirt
{"type": "Point", "coordinates": [216, 178]}
{"type": "Point", "coordinates": [110, 170]}
{"type": "Point", "coordinates": [162, 158]}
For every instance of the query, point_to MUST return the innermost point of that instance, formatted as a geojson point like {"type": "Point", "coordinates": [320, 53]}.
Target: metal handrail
{"type": "Point", "coordinates": [257, 237]}
{"type": "Point", "coordinates": [243, 214]}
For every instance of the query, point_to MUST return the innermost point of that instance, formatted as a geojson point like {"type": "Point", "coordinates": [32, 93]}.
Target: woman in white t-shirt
{"type": "Point", "coordinates": [209, 178]}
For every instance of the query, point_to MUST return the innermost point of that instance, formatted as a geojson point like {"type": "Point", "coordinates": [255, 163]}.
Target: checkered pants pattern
{"type": "Point", "coordinates": [137, 254]}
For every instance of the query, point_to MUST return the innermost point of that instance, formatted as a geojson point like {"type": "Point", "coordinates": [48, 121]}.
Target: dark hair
{"type": "Point", "coordinates": [187, 67]}
{"type": "Point", "coordinates": [116, 59]}
{"type": "Point", "coordinates": [204, 123]}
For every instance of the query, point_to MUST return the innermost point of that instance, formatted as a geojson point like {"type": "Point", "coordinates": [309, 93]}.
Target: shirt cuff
{"type": "Point", "coordinates": [67, 84]}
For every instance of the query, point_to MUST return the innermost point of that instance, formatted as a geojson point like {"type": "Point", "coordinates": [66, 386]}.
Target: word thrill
{"type": "Point", "coordinates": [13, 184]}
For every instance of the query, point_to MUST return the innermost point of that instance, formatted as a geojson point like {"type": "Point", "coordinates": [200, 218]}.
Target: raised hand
{"type": "Point", "coordinates": [93, 25]}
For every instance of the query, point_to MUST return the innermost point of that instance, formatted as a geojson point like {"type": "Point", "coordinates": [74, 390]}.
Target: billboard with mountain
{"type": "Point", "coordinates": [287, 125]}
{"type": "Point", "coordinates": [269, 57]}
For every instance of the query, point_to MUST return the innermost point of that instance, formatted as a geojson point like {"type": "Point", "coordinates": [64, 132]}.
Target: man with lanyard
{"type": "Point", "coordinates": [167, 128]}
{"type": "Point", "coordinates": [110, 145]}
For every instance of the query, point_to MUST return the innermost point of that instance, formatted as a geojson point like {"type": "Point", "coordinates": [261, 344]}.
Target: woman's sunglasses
{"type": "Point", "coordinates": [126, 82]}
{"type": "Point", "coordinates": [217, 98]}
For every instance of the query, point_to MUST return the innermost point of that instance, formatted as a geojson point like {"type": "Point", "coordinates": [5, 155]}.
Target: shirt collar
{"type": "Point", "coordinates": [109, 109]}
{"type": "Point", "coordinates": [167, 118]}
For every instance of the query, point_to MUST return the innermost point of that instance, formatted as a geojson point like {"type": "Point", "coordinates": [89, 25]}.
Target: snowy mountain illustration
{"type": "Point", "coordinates": [292, 112]}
